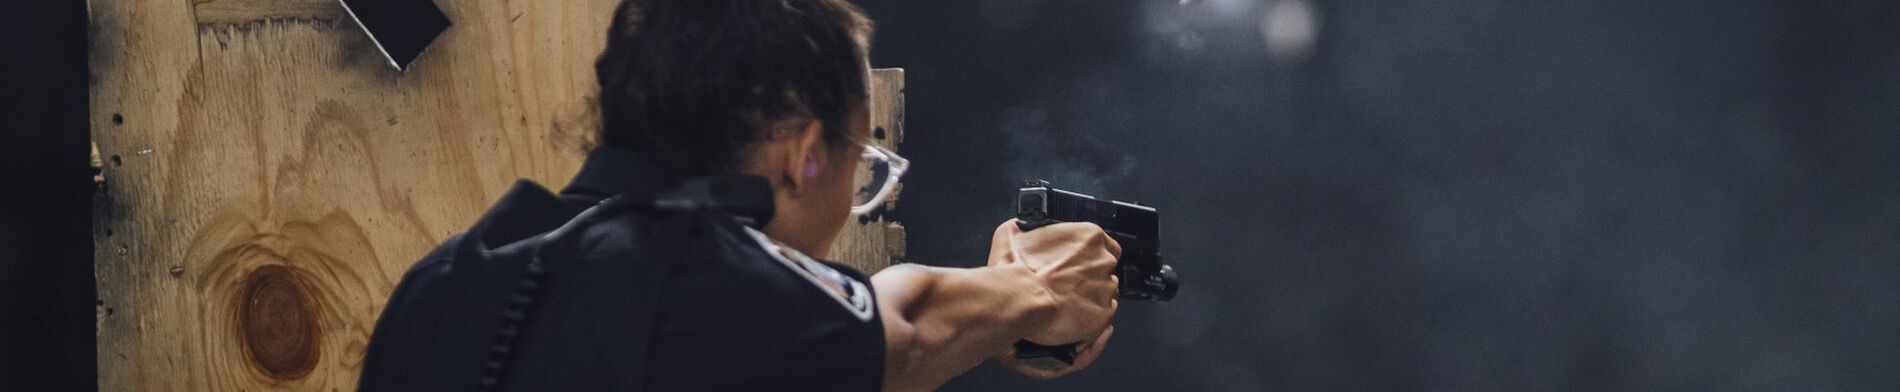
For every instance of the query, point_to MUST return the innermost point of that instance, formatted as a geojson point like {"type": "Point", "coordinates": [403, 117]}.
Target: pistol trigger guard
{"type": "Point", "coordinates": [1032, 225]}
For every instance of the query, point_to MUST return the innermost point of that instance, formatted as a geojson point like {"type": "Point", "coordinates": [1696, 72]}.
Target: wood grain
{"type": "Point", "coordinates": [872, 244]}
{"type": "Point", "coordinates": [268, 178]}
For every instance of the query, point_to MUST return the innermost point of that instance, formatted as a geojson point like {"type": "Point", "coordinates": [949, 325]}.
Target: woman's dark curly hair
{"type": "Point", "coordinates": [693, 83]}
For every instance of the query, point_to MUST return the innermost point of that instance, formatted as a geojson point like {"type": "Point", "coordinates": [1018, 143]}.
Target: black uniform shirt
{"type": "Point", "coordinates": [753, 316]}
{"type": "Point", "coordinates": [765, 323]}
{"type": "Point", "coordinates": [736, 312]}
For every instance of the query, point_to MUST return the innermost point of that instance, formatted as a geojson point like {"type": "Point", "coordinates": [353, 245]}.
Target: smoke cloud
{"type": "Point", "coordinates": [1417, 195]}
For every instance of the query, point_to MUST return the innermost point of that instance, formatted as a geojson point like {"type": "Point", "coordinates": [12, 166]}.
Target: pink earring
{"type": "Point", "coordinates": [811, 169]}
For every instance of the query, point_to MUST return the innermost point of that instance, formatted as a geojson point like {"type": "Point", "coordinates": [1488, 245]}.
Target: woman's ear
{"type": "Point", "coordinates": [807, 158]}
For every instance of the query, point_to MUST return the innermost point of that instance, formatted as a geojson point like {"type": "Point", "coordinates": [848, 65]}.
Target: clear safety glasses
{"type": "Point", "coordinates": [876, 178]}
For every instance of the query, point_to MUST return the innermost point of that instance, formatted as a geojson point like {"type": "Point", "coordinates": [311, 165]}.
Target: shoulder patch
{"type": "Point", "coordinates": [849, 292]}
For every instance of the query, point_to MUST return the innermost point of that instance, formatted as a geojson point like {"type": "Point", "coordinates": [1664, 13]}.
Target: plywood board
{"type": "Point", "coordinates": [268, 178]}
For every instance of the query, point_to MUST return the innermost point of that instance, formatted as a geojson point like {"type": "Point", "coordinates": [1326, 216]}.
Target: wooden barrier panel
{"type": "Point", "coordinates": [268, 177]}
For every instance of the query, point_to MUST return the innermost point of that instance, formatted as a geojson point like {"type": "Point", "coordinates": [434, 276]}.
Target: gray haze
{"type": "Point", "coordinates": [1440, 195]}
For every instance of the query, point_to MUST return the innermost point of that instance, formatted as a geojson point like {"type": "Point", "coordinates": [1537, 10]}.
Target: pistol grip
{"type": "Point", "coordinates": [1037, 355]}
{"type": "Point", "coordinates": [1046, 357]}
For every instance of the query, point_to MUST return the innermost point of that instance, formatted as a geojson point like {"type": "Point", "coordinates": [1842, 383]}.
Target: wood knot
{"type": "Point", "coordinates": [277, 322]}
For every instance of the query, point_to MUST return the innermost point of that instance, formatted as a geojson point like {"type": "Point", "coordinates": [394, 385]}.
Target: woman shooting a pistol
{"type": "Point", "coordinates": [734, 144]}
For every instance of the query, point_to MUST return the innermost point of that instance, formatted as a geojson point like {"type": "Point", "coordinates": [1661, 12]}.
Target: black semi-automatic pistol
{"type": "Point", "coordinates": [1137, 227]}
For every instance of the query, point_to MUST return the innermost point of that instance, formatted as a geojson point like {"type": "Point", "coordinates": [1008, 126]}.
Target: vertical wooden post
{"type": "Point", "coordinates": [267, 178]}
{"type": "Point", "coordinates": [870, 244]}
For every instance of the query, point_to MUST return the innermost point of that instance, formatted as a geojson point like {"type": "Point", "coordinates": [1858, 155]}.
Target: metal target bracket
{"type": "Point", "coordinates": [401, 29]}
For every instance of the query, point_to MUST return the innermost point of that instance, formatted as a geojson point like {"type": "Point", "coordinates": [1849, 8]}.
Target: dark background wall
{"type": "Point", "coordinates": [1441, 195]}
{"type": "Point", "coordinates": [1420, 195]}
{"type": "Point", "coordinates": [46, 320]}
